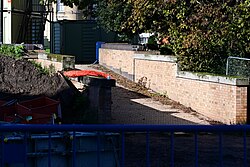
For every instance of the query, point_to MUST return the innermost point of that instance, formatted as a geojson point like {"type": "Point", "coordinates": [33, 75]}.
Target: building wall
{"type": "Point", "coordinates": [67, 13]}
{"type": "Point", "coordinates": [7, 22]}
{"type": "Point", "coordinates": [46, 63]}
{"type": "Point", "coordinates": [219, 98]}
{"type": "Point", "coordinates": [14, 20]}
{"type": "Point", "coordinates": [63, 13]}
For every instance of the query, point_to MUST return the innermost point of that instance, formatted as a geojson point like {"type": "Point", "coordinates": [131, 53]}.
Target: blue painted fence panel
{"type": "Point", "coordinates": [124, 145]}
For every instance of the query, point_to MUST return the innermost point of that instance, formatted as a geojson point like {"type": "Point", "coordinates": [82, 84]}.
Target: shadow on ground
{"type": "Point", "coordinates": [182, 153]}
{"type": "Point", "coordinates": [133, 108]}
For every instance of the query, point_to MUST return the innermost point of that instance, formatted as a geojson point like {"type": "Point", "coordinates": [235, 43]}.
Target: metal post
{"type": "Point", "coordinates": [26, 149]}
{"type": "Point", "coordinates": [123, 150]}
{"type": "Point", "coordinates": [2, 150]}
{"type": "Point", "coordinates": [172, 149]}
{"type": "Point", "coordinates": [196, 149]}
{"type": "Point", "coordinates": [245, 148]}
{"type": "Point", "coordinates": [49, 152]}
{"type": "Point", "coordinates": [221, 149]}
{"type": "Point", "coordinates": [227, 66]}
{"type": "Point", "coordinates": [148, 149]}
{"type": "Point", "coordinates": [98, 151]}
{"type": "Point", "coordinates": [74, 149]}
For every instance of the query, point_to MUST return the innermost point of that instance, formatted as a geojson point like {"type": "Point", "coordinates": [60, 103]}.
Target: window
{"type": "Point", "coordinates": [60, 6]}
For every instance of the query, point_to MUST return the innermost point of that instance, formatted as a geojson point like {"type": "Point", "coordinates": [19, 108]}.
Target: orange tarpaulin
{"type": "Point", "coordinates": [80, 73]}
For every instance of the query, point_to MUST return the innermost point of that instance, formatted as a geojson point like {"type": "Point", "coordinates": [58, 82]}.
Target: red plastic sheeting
{"type": "Point", "coordinates": [81, 73]}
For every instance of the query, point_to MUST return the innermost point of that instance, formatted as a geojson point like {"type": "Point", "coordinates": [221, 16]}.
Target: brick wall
{"type": "Point", "coordinates": [46, 63]}
{"type": "Point", "coordinates": [220, 98]}
{"type": "Point", "coordinates": [120, 61]}
{"type": "Point", "coordinates": [60, 62]}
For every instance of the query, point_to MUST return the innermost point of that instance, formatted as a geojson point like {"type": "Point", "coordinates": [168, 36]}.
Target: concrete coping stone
{"type": "Point", "coordinates": [43, 56]}
{"type": "Point", "coordinates": [46, 56]}
{"type": "Point", "coordinates": [165, 58]}
{"type": "Point", "coordinates": [215, 79]}
{"type": "Point", "coordinates": [99, 82]}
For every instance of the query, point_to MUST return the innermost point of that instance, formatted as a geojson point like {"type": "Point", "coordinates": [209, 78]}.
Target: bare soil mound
{"type": "Point", "coordinates": [21, 79]}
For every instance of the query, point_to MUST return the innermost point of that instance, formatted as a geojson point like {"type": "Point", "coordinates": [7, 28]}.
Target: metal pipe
{"type": "Point", "coordinates": [125, 128]}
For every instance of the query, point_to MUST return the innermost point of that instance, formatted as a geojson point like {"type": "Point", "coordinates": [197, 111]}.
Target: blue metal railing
{"type": "Point", "coordinates": [192, 133]}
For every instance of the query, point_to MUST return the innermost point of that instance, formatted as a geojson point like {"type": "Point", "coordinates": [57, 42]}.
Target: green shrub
{"type": "Point", "coordinates": [15, 51]}
{"type": "Point", "coordinates": [166, 50]}
{"type": "Point", "coordinates": [45, 70]}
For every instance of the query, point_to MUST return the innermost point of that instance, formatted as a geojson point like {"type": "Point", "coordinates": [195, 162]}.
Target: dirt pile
{"type": "Point", "coordinates": [21, 79]}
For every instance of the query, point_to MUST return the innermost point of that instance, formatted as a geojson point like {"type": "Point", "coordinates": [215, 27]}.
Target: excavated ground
{"type": "Point", "coordinates": [22, 80]}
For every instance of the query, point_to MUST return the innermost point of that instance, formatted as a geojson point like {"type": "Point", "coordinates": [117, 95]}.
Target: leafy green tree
{"type": "Point", "coordinates": [113, 15]}
{"type": "Point", "coordinates": [201, 33]}
{"type": "Point", "coordinates": [204, 33]}
{"type": "Point", "coordinates": [126, 17]}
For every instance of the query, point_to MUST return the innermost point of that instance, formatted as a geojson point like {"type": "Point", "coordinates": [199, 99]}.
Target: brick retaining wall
{"type": "Point", "coordinates": [64, 62]}
{"type": "Point", "coordinates": [220, 98]}
{"type": "Point", "coordinates": [47, 63]}
{"type": "Point", "coordinates": [123, 61]}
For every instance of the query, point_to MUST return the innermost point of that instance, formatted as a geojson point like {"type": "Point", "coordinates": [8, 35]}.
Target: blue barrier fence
{"type": "Point", "coordinates": [124, 145]}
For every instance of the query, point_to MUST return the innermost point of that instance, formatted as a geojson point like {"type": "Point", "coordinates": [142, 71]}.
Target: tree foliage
{"type": "Point", "coordinates": [113, 15]}
{"type": "Point", "coordinates": [201, 33]}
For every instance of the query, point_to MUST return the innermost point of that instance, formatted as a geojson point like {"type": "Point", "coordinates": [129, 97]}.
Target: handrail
{"type": "Point", "coordinates": [231, 57]}
{"type": "Point", "coordinates": [122, 160]}
{"type": "Point", "coordinates": [128, 128]}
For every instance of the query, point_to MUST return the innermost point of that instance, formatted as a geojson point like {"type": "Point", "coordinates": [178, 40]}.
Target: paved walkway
{"type": "Point", "coordinates": [132, 108]}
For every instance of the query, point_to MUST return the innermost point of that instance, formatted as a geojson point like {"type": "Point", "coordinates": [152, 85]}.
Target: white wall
{"type": "Point", "coordinates": [7, 22]}
{"type": "Point", "coordinates": [65, 13]}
